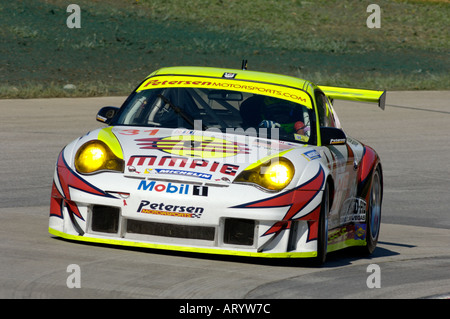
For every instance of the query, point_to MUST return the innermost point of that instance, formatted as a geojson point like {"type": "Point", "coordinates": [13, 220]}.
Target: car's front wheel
{"type": "Point", "coordinates": [322, 236]}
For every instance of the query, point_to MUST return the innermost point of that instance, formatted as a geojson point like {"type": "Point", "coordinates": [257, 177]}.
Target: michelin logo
{"type": "Point", "coordinates": [184, 173]}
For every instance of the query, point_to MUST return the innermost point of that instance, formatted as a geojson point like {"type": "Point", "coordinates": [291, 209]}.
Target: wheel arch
{"type": "Point", "coordinates": [370, 161]}
{"type": "Point", "coordinates": [330, 182]}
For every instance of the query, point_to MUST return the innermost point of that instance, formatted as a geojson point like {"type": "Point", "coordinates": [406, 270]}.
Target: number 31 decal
{"type": "Point", "coordinates": [136, 131]}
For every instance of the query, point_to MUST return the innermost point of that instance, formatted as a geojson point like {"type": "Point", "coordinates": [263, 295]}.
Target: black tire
{"type": "Point", "coordinates": [373, 217]}
{"type": "Point", "coordinates": [322, 234]}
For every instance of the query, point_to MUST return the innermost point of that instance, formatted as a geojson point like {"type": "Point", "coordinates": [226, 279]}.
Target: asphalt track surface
{"type": "Point", "coordinates": [411, 135]}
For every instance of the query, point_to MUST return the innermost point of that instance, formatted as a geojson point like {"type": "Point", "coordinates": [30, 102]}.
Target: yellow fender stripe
{"type": "Point", "coordinates": [265, 159]}
{"type": "Point", "coordinates": [107, 136]}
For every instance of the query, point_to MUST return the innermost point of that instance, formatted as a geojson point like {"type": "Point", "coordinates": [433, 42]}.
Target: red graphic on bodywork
{"type": "Point", "coordinates": [69, 179]}
{"type": "Point", "coordinates": [56, 202]}
{"type": "Point", "coordinates": [368, 163]}
{"type": "Point", "coordinates": [297, 199]}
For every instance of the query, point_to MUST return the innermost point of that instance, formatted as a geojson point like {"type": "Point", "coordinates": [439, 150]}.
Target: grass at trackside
{"type": "Point", "coordinates": [121, 41]}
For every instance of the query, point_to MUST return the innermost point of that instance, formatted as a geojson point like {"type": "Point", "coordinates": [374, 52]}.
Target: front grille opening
{"type": "Point", "coordinates": [239, 231]}
{"type": "Point", "coordinates": [105, 219]}
{"type": "Point", "coordinates": [170, 230]}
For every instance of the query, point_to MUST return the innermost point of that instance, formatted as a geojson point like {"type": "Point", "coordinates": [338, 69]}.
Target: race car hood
{"type": "Point", "coordinates": [180, 154]}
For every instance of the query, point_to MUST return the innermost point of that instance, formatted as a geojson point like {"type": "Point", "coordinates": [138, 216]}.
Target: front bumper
{"type": "Point", "coordinates": [221, 229]}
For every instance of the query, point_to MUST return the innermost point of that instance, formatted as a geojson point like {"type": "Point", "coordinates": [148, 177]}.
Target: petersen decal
{"type": "Point", "coordinates": [171, 188]}
{"type": "Point", "coordinates": [146, 207]}
{"type": "Point", "coordinates": [194, 146]}
{"type": "Point", "coordinates": [294, 95]}
{"type": "Point", "coordinates": [181, 162]}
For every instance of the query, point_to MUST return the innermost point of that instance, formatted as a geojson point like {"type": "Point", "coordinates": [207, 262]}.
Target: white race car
{"type": "Point", "coordinates": [222, 161]}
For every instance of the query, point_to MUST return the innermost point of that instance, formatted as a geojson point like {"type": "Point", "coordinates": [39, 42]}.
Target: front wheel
{"type": "Point", "coordinates": [322, 236]}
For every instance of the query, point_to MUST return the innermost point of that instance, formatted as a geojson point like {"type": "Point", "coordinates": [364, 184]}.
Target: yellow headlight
{"type": "Point", "coordinates": [273, 175]}
{"type": "Point", "coordinates": [278, 174]}
{"type": "Point", "coordinates": [96, 156]}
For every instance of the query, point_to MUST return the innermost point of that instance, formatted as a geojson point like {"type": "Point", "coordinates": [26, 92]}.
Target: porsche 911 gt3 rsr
{"type": "Point", "coordinates": [222, 161]}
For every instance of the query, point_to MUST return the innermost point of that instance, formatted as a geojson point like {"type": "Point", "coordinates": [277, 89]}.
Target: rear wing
{"type": "Point", "coordinates": [361, 95]}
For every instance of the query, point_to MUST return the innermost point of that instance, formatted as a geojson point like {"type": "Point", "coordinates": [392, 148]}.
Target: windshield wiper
{"type": "Point", "coordinates": [180, 112]}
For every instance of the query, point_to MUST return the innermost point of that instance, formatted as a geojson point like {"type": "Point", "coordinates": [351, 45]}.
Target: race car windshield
{"type": "Point", "coordinates": [228, 111]}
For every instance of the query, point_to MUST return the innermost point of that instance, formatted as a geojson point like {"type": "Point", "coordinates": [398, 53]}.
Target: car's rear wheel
{"type": "Point", "coordinates": [373, 217]}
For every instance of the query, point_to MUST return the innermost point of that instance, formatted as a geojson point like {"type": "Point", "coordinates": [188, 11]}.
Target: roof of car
{"type": "Point", "coordinates": [237, 74]}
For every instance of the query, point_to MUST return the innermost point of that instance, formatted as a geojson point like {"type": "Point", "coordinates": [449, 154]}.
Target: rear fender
{"type": "Point", "coordinates": [369, 162]}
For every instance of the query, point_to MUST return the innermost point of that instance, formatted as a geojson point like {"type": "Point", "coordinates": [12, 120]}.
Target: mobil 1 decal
{"type": "Point", "coordinates": [172, 188]}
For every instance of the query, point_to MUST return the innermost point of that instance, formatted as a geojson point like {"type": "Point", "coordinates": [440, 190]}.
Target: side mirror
{"type": "Point", "coordinates": [332, 136]}
{"type": "Point", "coordinates": [106, 114]}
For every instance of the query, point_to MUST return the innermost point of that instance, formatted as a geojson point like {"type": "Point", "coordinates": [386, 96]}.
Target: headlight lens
{"type": "Point", "coordinates": [96, 156]}
{"type": "Point", "coordinates": [273, 175]}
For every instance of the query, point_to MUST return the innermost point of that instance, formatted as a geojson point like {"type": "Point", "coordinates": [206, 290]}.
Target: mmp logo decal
{"type": "Point", "coordinates": [194, 146]}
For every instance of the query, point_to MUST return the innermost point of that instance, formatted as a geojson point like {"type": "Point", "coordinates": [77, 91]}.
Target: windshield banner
{"type": "Point", "coordinates": [286, 93]}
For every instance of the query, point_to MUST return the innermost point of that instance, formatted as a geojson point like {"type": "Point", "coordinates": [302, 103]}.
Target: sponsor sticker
{"type": "Point", "coordinates": [311, 155]}
{"type": "Point", "coordinates": [173, 188]}
{"type": "Point", "coordinates": [194, 146]}
{"type": "Point", "coordinates": [135, 163]}
{"type": "Point", "coordinates": [229, 75]}
{"type": "Point", "coordinates": [182, 173]}
{"type": "Point", "coordinates": [147, 207]}
{"type": "Point", "coordinates": [229, 83]}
